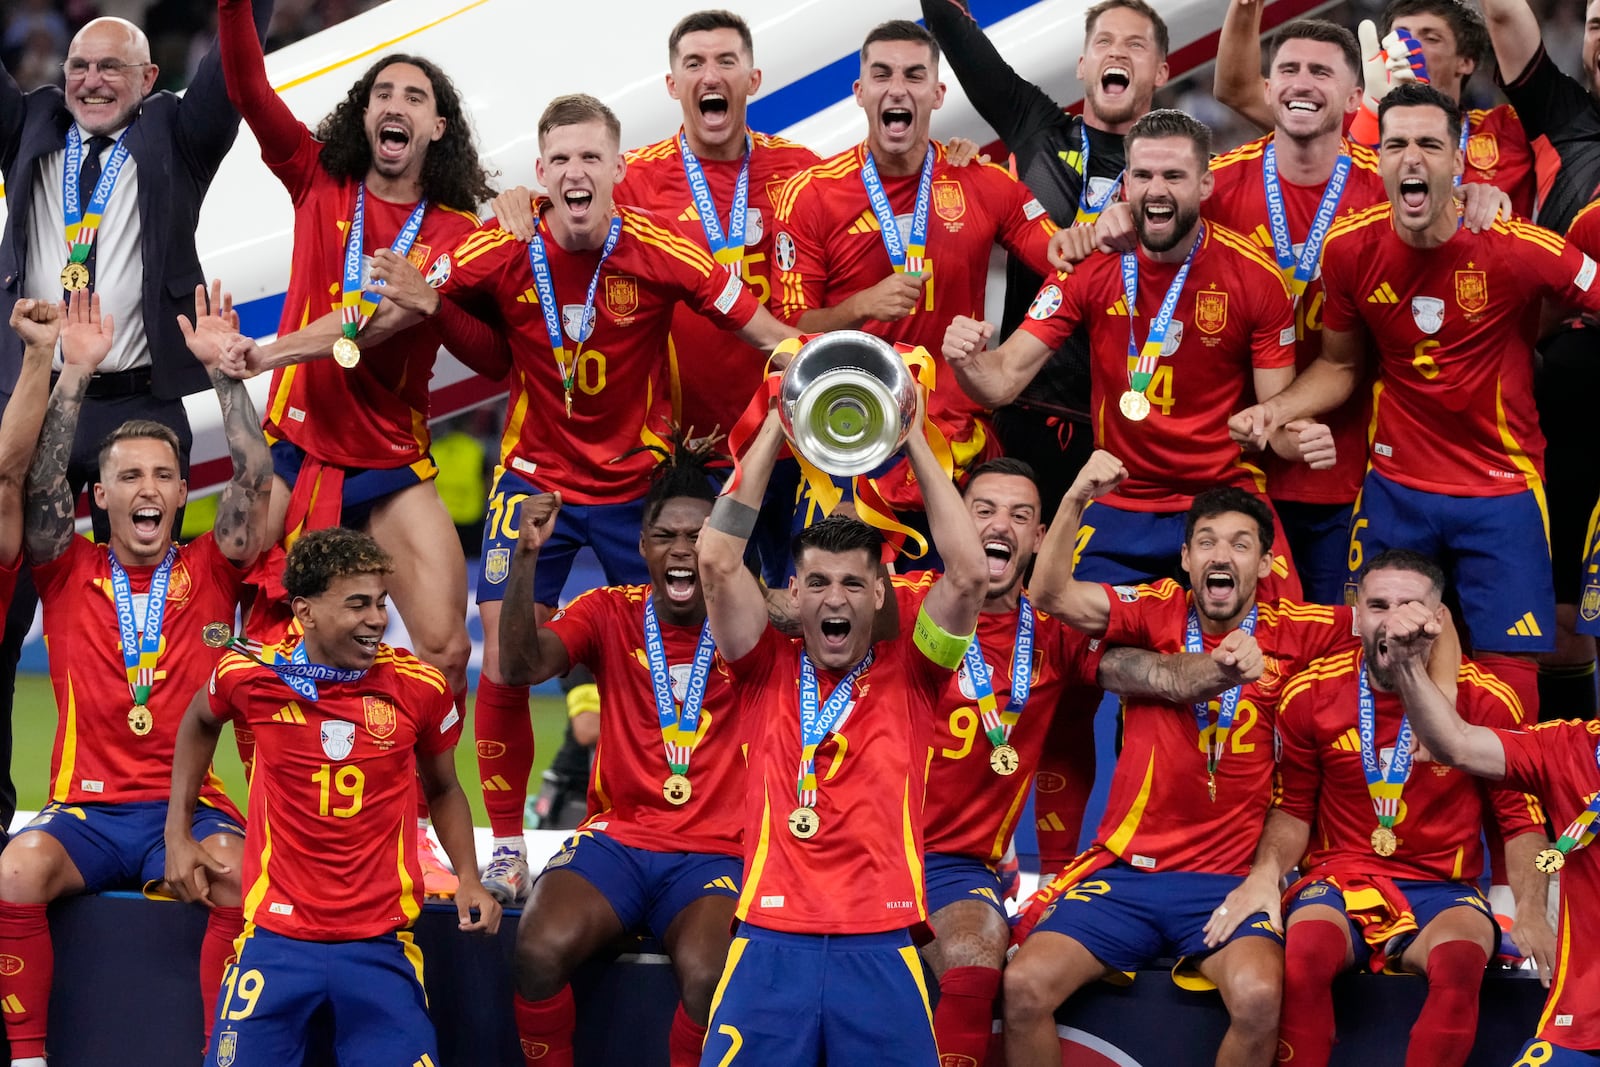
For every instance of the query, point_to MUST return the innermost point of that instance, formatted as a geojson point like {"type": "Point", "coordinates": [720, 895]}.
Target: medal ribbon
{"type": "Point", "coordinates": [1300, 271]}
{"type": "Point", "coordinates": [905, 258]}
{"type": "Point", "coordinates": [1142, 361]}
{"type": "Point", "coordinates": [997, 727]}
{"type": "Point", "coordinates": [140, 651]}
{"type": "Point", "coordinates": [816, 723]}
{"type": "Point", "coordinates": [355, 305]}
{"type": "Point", "coordinates": [545, 288]}
{"type": "Point", "coordinates": [1582, 830]}
{"type": "Point", "coordinates": [297, 672]}
{"type": "Point", "coordinates": [1227, 703]}
{"type": "Point", "coordinates": [82, 225]}
{"type": "Point", "coordinates": [679, 728]}
{"type": "Point", "coordinates": [1090, 207]}
{"type": "Point", "coordinates": [727, 250]}
{"type": "Point", "coordinates": [1383, 786]}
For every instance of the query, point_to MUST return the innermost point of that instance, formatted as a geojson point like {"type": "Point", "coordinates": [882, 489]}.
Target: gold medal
{"type": "Point", "coordinates": [75, 277]}
{"type": "Point", "coordinates": [1003, 761]}
{"type": "Point", "coordinates": [346, 352]}
{"type": "Point", "coordinates": [1211, 786]}
{"type": "Point", "coordinates": [1384, 842]}
{"type": "Point", "coordinates": [803, 823]}
{"type": "Point", "coordinates": [140, 721]}
{"type": "Point", "coordinates": [216, 634]}
{"type": "Point", "coordinates": [676, 790]}
{"type": "Point", "coordinates": [569, 403]}
{"type": "Point", "coordinates": [1135, 405]}
{"type": "Point", "coordinates": [1549, 860]}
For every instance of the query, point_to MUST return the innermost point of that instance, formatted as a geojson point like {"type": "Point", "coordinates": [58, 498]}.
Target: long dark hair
{"type": "Point", "coordinates": [452, 174]}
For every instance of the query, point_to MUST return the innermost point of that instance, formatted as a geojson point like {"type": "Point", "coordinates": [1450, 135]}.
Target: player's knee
{"type": "Point", "coordinates": [446, 647]}
{"type": "Point", "coordinates": [1029, 995]}
{"type": "Point", "coordinates": [30, 870]}
{"type": "Point", "coordinates": [539, 965]}
{"type": "Point", "coordinates": [698, 975]}
{"type": "Point", "coordinates": [1254, 1000]}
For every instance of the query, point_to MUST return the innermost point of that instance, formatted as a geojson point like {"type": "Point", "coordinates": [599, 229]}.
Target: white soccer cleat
{"type": "Point", "coordinates": [507, 877]}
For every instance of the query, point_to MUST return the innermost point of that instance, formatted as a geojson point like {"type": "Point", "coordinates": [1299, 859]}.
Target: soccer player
{"type": "Point", "coordinates": [1284, 191]}
{"type": "Point", "coordinates": [38, 323]}
{"type": "Point", "coordinates": [889, 238]}
{"type": "Point", "coordinates": [694, 180]}
{"type": "Point", "coordinates": [124, 620]}
{"type": "Point", "coordinates": [1389, 881]}
{"type": "Point", "coordinates": [660, 848]}
{"type": "Point", "coordinates": [1457, 457]}
{"type": "Point", "coordinates": [344, 724]}
{"type": "Point", "coordinates": [1555, 761]}
{"type": "Point", "coordinates": [598, 368]}
{"type": "Point", "coordinates": [1190, 790]}
{"type": "Point", "coordinates": [1073, 165]}
{"type": "Point", "coordinates": [823, 967]}
{"type": "Point", "coordinates": [1214, 322]}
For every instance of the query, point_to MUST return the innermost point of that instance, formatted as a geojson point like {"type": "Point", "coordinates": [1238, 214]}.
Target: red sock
{"type": "Point", "coordinates": [685, 1041]}
{"type": "Point", "coordinates": [25, 985]}
{"type": "Point", "coordinates": [505, 753]}
{"type": "Point", "coordinates": [1065, 779]}
{"type": "Point", "coordinates": [1444, 1031]}
{"type": "Point", "coordinates": [545, 1029]}
{"type": "Point", "coordinates": [964, 1018]}
{"type": "Point", "coordinates": [1314, 954]}
{"type": "Point", "coordinates": [223, 928]}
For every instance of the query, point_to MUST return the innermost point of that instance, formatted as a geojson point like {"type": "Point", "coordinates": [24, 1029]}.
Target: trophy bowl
{"type": "Point", "coordinates": [847, 402]}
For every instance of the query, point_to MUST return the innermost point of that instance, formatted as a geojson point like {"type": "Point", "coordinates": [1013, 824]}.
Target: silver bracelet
{"type": "Point", "coordinates": [733, 518]}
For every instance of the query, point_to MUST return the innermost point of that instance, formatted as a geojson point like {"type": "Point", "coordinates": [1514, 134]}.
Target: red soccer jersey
{"type": "Point", "coordinates": [621, 396]}
{"type": "Point", "coordinates": [1233, 316]}
{"type": "Point", "coordinates": [830, 247]}
{"type": "Point", "coordinates": [1498, 154]}
{"type": "Point", "coordinates": [861, 872]}
{"type": "Point", "coordinates": [1159, 815]}
{"type": "Point", "coordinates": [1557, 761]}
{"type": "Point", "coordinates": [1584, 233]}
{"type": "Point", "coordinates": [604, 629]}
{"type": "Point", "coordinates": [1239, 202]}
{"type": "Point", "coordinates": [714, 372]}
{"type": "Point", "coordinates": [335, 792]}
{"type": "Point", "coordinates": [98, 759]}
{"type": "Point", "coordinates": [1442, 811]}
{"type": "Point", "coordinates": [970, 809]}
{"type": "Point", "coordinates": [1454, 328]}
{"type": "Point", "coordinates": [8, 582]}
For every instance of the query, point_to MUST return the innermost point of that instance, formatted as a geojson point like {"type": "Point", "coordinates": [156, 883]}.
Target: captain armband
{"type": "Point", "coordinates": [945, 649]}
{"type": "Point", "coordinates": [733, 518]}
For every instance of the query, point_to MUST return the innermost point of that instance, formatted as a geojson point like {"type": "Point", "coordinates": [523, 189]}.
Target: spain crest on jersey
{"type": "Point", "coordinates": [1211, 311]}
{"type": "Point", "coordinates": [418, 255]}
{"type": "Point", "coordinates": [1483, 151]}
{"type": "Point", "coordinates": [381, 716]}
{"type": "Point", "coordinates": [497, 565]}
{"type": "Point", "coordinates": [1472, 291]}
{"type": "Point", "coordinates": [1428, 313]}
{"type": "Point", "coordinates": [622, 295]}
{"type": "Point", "coordinates": [1047, 303]}
{"type": "Point", "coordinates": [1589, 605]}
{"type": "Point", "coordinates": [338, 738]}
{"type": "Point", "coordinates": [227, 1048]}
{"type": "Point", "coordinates": [949, 200]}
{"type": "Point", "coordinates": [578, 321]}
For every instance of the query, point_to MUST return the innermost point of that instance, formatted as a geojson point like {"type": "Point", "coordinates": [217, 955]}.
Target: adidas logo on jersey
{"type": "Point", "coordinates": [290, 713]}
{"type": "Point", "coordinates": [1527, 626]}
{"type": "Point", "coordinates": [1383, 294]}
{"type": "Point", "coordinates": [1349, 741]}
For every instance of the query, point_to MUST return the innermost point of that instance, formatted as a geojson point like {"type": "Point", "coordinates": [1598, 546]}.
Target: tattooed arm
{"type": "Point", "coordinates": [1181, 677]}
{"type": "Point", "coordinates": [85, 341]}
{"type": "Point", "coordinates": [242, 508]}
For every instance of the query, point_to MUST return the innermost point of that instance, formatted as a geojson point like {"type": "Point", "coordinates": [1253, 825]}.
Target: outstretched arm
{"type": "Point", "coordinates": [1451, 740]}
{"type": "Point", "coordinates": [38, 323]}
{"type": "Point", "coordinates": [735, 605]}
{"type": "Point", "coordinates": [1182, 677]}
{"type": "Point", "coordinates": [957, 596]}
{"type": "Point", "coordinates": [1008, 102]}
{"type": "Point", "coordinates": [452, 821]}
{"type": "Point", "coordinates": [1083, 606]}
{"type": "Point", "coordinates": [208, 121]}
{"type": "Point", "coordinates": [529, 653]}
{"type": "Point", "coordinates": [85, 342]}
{"type": "Point", "coordinates": [1514, 33]}
{"type": "Point", "coordinates": [1237, 81]}
{"type": "Point", "coordinates": [1322, 386]}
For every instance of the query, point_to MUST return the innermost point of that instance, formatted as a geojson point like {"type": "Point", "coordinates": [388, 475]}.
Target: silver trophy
{"type": "Point", "coordinates": [847, 402]}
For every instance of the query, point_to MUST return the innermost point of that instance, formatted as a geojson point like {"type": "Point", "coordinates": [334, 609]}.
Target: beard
{"type": "Point", "coordinates": [1184, 220]}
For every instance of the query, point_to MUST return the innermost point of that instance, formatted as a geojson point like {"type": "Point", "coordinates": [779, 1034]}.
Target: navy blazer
{"type": "Point", "coordinates": [178, 143]}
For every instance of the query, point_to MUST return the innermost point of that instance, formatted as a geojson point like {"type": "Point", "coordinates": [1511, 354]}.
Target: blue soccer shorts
{"type": "Point", "coordinates": [373, 987]}
{"type": "Point", "coordinates": [117, 845]}
{"type": "Point", "coordinates": [1496, 550]}
{"type": "Point", "coordinates": [1121, 547]}
{"type": "Point", "coordinates": [647, 889]}
{"type": "Point", "coordinates": [1425, 900]}
{"type": "Point", "coordinates": [364, 489]}
{"type": "Point", "coordinates": [1589, 580]}
{"type": "Point", "coordinates": [797, 1000]}
{"type": "Point", "coordinates": [611, 530]}
{"type": "Point", "coordinates": [949, 879]}
{"type": "Point", "coordinates": [1319, 539]}
{"type": "Point", "coordinates": [1127, 917]}
{"type": "Point", "coordinates": [1537, 1053]}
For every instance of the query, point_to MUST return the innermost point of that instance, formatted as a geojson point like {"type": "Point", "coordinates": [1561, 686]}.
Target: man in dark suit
{"type": "Point", "coordinates": [163, 151]}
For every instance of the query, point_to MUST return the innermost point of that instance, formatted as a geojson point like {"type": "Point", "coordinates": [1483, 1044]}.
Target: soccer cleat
{"type": "Point", "coordinates": [437, 881]}
{"type": "Point", "coordinates": [507, 878]}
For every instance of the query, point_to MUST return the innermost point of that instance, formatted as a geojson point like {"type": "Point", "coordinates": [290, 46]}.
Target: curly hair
{"type": "Point", "coordinates": [452, 174]}
{"type": "Point", "coordinates": [320, 557]}
{"type": "Point", "coordinates": [684, 472]}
